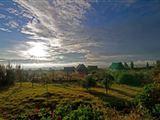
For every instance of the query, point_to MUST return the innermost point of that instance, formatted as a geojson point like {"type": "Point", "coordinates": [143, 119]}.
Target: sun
{"type": "Point", "coordinates": [37, 50]}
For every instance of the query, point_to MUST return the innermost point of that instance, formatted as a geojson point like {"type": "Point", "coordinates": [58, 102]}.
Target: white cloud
{"type": "Point", "coordinates": [11, 10]}
{"type": "Point", "coordinates": [5, 30]}
{"type": "Point", "coordinates": [12, 24]}
{"type": "Point", "coordinates": [57, 24]}
{"type": "Point", "coordinates": [2, 16]}
{"type": "Point", "coordinates": [55, 29]}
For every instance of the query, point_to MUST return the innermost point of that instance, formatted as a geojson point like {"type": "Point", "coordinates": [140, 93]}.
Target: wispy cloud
{"type": "Point", "coordinates": [5, 30]}
{"type": "Point", "coordinates": [90, 31]}
{"type": "Point", "coordinates": [12, 24]}
{"type": "Point", "coordinates": [57, 24]}
{"type": "Point", "coordinates": [2, 16]}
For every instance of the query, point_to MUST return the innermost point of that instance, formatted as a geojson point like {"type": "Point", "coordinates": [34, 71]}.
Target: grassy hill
{"type": "Point", "coordinates": [23, 99]}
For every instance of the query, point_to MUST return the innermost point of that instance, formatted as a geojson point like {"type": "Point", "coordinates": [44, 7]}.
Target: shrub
{"type": "Point", "coordinates": [66, 112]}
{"type": "Point", "coordinates": [156, 110]}
{"type": "Point", "coordinates": [129, 79]}
{"type": "Point", "coordinates": [84, 113]}
{"type": "Point", "coordinates": [149, 99]}
{"type": "Point", "coordinates": [89, 82]}
{"type": "Point", "coordinates": [7, 76]}
{"type": "Point", "coordinates": [132, 78]}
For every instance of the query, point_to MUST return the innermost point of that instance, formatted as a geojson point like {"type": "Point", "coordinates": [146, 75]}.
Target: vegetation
{"type": "Point", "coordinates": [65, 112]}
{"type": "Point", "coordinates": [48, 94]}
{"type": "Point", "coordinates": [107, 82]}
{"type": "Point", "coordinates": [89, 82]}
{"type": "Point", "coordinates": [132, 65]}
{"type": "Point", "coordinates": [132, 78]}
{"type": "Point", "coordinates": [149, 99]}
{"type": "Point", "coordinates": [7, 76]}
{"type": "Point", "coordinates": [25, 99]}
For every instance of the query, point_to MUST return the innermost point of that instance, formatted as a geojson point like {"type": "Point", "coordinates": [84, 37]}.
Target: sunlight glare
{"type": "Point", "coordinates": [38, 50]}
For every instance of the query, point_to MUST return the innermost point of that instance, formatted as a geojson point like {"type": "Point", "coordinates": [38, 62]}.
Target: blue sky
{"type": "Point", "coordinates": [57, 32]}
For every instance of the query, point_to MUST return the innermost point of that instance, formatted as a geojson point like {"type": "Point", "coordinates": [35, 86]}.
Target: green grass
{"type": "Point", "coordinates": [22, 99]}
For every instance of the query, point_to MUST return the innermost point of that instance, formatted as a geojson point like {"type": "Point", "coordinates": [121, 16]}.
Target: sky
{"type": "Point", "coordinates": [45, 33]}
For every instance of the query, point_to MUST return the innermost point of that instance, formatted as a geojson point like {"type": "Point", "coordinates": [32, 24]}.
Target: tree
{"type": "Point", "coordinates": [158, 63]}
{"type": "Point", "coordinates": [45, 78]}
{"type": "Point", "coordinates": [90, 82]}
{"type": "Point", "coordinates": [132, 65]}
{"type": "Point", "coordinates": [147, 65]}
{"type": "Point", "coordinates": [10, 75]}
{"type": "Point", "coordinates": [2, 75]}
{"type": "Point", "coordinates": [19, 75]}
{"type": "Point", "coordinates": [107, 81]}
{"type": "Point", "coordinates": [126, 65]}
{"type": "Point", "coordinates": [156, 72]}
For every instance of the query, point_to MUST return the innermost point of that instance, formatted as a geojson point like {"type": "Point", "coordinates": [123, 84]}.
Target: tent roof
{"type": "Point", "coordinates": [117, 66]}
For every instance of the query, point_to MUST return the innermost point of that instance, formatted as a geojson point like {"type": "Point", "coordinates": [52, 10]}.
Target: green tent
{"type": "Point", "coordinates": [117, 66]}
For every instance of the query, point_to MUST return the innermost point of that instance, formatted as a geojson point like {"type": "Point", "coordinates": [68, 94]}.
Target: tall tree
{"type": "Point", "coordinates": [2, 75]}
{"type": "Point", "coordinates": [147, 65]}
{"type": "Point", "coordinates": [126, 65]}
{"type": "Point", "coordinates": [19, 75]}
{"type": "Point", "coordinates": [10, 75]}
{"type": "Point", "coordinates": [107, 82]}
{"type": "Point", "coordinates": [132, 65]}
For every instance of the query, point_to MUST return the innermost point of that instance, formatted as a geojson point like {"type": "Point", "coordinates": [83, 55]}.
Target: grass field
{"type": "Point", "coordinates": [22, 99]}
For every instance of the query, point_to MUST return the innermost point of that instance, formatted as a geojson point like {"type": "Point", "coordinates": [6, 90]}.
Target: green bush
{"type": "Point", "coordinates": [63, 110]}
{"type": "Point", "coordinates": [149, 99]}
{"type": "Point", "coordinates": [89, 82]}
{"type": "Point", "coordinates": [7, 76]}
{"type": "Point", "coordinates": [73, 111]}
{"type": "Point", "coordinates": [156, 110]}
{"type": "Point", "coordinates": [84, 113]}
{"type": "Point", "coordinates": [130, 79]}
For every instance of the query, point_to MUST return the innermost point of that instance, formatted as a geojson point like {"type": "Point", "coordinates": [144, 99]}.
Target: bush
{"type": "Point", "coordinates": [73, 111]}
{"type": "Point", "coordinates": [89, 82]}
{"type": "Point", "coordinates": [84, 113]}
{"type": "Point", "coordinates": [7, 76]}
{"type": "Point", "coordinates": [130, 79]}
{"type": "Point", "coordinates": [149, 99]}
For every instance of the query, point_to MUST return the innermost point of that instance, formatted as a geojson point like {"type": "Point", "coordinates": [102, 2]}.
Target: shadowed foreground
{"type": "Point", "coordinates": [17, 99]}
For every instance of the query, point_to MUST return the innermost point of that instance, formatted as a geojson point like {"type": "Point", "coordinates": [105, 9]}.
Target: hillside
{"type": "Point", "coordinates": [24, 99]}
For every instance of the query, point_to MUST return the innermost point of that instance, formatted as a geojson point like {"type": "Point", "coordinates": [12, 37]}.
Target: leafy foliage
{"type": "Point", "coordinates": [107, 81]}
{"type": "Point", "coordinates": [150, 99]}
{"type": "Point", "coordinates": [132, 78]}
{"type": "Point", "coordinates": [129, 79]}
{"type": "Point", "coordinates": [7, 76]}
{"type": "Point", "coordinates": [89, 82]}
{"type": "Point", "coordinates": [66, 112]}
{"type": "Point", "coordinates": [84, 113]}
{"type": "Point", "coordinates": [132, 65]}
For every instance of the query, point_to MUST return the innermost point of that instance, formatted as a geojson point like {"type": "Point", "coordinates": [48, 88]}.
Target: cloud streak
{"type": "Point", "coordinates": [57, 24]}
{"type": "Point", "coordinates": [90, 31]}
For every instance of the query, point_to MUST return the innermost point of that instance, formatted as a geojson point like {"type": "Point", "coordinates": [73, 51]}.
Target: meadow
{"type": "Point", "coordinates": [131, 94]}
{"type": "Point", "coordinates": [23, 99]}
